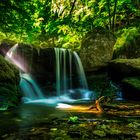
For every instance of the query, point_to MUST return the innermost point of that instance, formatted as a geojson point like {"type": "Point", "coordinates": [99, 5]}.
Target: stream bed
{"type": "Point", "coordinates": [40, 121]}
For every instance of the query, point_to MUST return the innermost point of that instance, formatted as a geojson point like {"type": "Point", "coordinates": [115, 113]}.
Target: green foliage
{"type": "Point", "coordinates": [127, 43]}
{"type": "Point", "coordinates": [126, 36]}
{"type": "Point", "coordinates": [134, 81]}
{"type": "Point", "coordinates": [63, 23]}
{"type": "Point", "coordinates": [73, 119]}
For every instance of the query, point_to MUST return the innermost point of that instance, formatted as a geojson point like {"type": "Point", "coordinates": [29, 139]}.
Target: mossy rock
{"type": "Point", "coordinates": [97, 49]}
{"type": "Point", "coordinates": [9, 84]}
{"type": "Point", "coordinates": [131, 88]}
{"type": "Point", "coordinates": [128, 45]}
{"type": "Point", "coordinates": [122, 68]}
{"type": "Point", "coordinates": [8, 72]}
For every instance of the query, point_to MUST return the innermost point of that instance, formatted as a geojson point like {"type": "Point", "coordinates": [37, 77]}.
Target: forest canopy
{"type": "Point", "coordinates": [63, 23]}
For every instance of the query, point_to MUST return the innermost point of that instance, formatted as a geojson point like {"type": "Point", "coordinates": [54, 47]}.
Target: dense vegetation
{"type": "Point", "coordinates": [64, 22]}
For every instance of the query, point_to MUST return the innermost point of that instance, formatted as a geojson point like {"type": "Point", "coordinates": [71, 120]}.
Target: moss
{"type": "Point", "coordinates": [9, 96]}
{"type": "Point", "coordinates": [133, 81]}
{"type": "Point", "coordinates": [9, 82]}
{"type": "Point", "coordinates": [138, 135]}
{"type": "Point", "coordinates": [99, 133]}
{"type": "Point", "coordinates": [8, 73]}
{"type": "Point", "coordinates": [127, 45]}
{"type": "Point", "coordinates": [132, 62]}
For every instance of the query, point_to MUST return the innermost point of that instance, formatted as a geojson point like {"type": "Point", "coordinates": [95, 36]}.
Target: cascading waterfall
{"type": "Point", "coordinates": [64, 74]}
{"type": "Point", "coordinates": [65, 61]}
{"type": "Point", "coordinates": [81, 73]}
{"type": "Point", "coordinates": [28, 85]}
{"type": "Point", "coordinates": [70, 65]}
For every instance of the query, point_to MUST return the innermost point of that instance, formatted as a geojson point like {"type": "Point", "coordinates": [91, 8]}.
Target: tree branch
{"type": "Point", "coordinates": [72, 8]}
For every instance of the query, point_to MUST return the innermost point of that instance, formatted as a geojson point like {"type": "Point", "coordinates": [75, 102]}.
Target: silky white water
{"type": "Point", "coordinates": [66, 91]}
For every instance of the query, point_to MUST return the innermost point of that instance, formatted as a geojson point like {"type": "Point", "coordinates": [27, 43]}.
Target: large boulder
{"type": "Point", "coordinates": [122, 68]}
{"type": "Point", "coordinates": [97, 49]}
{"type": "Point", "coordinates": [9, 81]}
{"type": "Point", "coordinates": [131, 88]}
{"type": "Point", "coordinates": [127, 72]}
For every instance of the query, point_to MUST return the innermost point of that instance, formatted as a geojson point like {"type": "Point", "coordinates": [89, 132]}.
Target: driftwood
{"type": "Point", "coordinates": [102, 105]}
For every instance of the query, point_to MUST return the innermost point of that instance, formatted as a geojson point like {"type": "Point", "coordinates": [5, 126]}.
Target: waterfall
{"type": "Point", "coordinates": [64, 72]}
{"type": "Point", "coordinates": [80, 70]}
{"type": "Point", "coordinates": [70, 83]}
{"type": "Point", "coordinates": [30, 88]}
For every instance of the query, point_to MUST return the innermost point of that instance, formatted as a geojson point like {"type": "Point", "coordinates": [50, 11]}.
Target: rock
{"type": "Point", "coordinates": [8, 72]}
{"type": "Point", "coordinates": [37, 62]}
{"type": "Point", "coordinates": [9, 81]}
{"type": "Point", "coordinates": [26, 54]}
{"type": "Point", "coordinates": [97, 49]}
{"type": "Point", "coordinates": [5, 46]}
{"type": "Point", "coordinates": [122, 68]}
{"type": "Point", "coordinates": [43, 65]}
{"type": "Point", "coordinates": [130, 48]}
{"type": "Point", "coordinates": [131, 88]}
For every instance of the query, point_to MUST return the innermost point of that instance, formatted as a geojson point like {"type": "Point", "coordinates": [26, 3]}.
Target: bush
{"type": "Point", "coordinates": [128, 43]}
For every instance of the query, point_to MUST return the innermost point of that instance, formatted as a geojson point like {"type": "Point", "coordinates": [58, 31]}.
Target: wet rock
{"type": "Point", "coordinates": [43, 66]}
{"type": "Point", "coordinates": [74, 134]}
{"type": "Point", "coordinates": [5, 46]}
{"type": "Point", "coordinates": [97, 49]}
{"type": "Point", "coordinates": [131, 88]}
{"type": "Point", "coordinates": [9, 81]}
{"type": "Point", "coordinates": [8, 72]}
{"type": "Point", "coordinates": [122, 68]}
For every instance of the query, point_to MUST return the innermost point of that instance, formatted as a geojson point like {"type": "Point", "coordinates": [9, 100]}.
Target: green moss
{"type": "Point", "coordinates": [127, 44]}
{"type": "Point", "coordinates": [132, 62]}
{"type": "Point", "coordinates": [9, 82]}
{"type": "Point", "coordinates": [99, 133]}
{"type": "Point", "coordinates": [134, 81]}
{"type": "Point", "coordinates": [8, 73]}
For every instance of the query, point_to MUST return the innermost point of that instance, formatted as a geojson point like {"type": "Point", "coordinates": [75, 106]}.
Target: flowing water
{"type": "Point", "coordinates": [30, 88]}
{"type": "Point", "coordinates": [67, 66]}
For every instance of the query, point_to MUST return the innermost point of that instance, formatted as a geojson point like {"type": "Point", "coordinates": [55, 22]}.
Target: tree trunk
{"type": "Point", "coordinates": [114, 13]}
{"type": "Point", "coordinates": [73, 5]}
{"type": "Point", "coordinates": [109, 14]}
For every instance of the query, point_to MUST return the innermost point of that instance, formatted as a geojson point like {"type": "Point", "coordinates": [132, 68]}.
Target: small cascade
{"type": "Point", "coordinates": [80, 70]}
{"type": "Point", "coordinates": [65, 59]}
{"type": "Point", "coordinates": [61, 71]}
{"type": "Point", "coordinates": [58, 84]}
{"type": "Point", "coordinates": [30, 88]}
{"type": "Point", "coordinates": [70, 65]}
